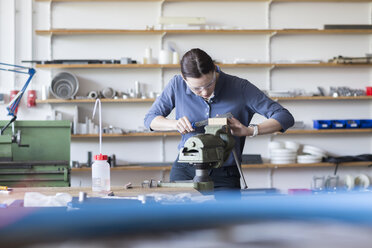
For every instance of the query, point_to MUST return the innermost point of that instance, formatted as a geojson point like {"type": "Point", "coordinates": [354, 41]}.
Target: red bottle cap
{"type": "Point", "coordinates": [100, 157]}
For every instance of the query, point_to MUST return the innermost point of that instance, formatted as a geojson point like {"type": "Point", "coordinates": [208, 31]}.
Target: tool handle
{"type": "Point", "coordinates": [193, 125]}
{"type": "Point", "coordinates": [238, 164]}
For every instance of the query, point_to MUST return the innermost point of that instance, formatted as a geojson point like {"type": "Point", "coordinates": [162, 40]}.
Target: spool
{"type": "Point", "coordinates": [93, 94]}
{"type": "Point", "coordinates": [362, 181]}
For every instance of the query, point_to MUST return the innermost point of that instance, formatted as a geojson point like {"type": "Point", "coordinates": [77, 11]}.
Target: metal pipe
{"type": "Point", "coordinates": [238, 164]}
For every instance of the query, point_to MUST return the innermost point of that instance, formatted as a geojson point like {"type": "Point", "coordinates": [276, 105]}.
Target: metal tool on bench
{"type": "Point", "coordinates": [207, 151]}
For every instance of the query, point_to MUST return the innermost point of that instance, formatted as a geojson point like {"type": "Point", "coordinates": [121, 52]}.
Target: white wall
{"type": "Point", "coordinates": [19, 42]}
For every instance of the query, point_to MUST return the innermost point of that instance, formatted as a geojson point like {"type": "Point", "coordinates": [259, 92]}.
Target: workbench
{"type": "Point", "coordinates": [18, 193]}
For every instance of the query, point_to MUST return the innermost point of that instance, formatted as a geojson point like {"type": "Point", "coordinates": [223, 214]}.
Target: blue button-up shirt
{"type": "Point", "coordinates": [231, 94]}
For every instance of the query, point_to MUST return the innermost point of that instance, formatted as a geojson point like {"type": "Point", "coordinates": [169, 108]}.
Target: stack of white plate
{"type": "Point", "coordinates": [307, 159]}
{"type": "Point", "coordinates": [283, 156]}
{"type": "Point", "coordinates": [312, 150]}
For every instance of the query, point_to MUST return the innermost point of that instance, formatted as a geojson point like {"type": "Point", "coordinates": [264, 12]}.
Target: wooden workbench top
{"type": "Point", "coordinates": [18, 193]}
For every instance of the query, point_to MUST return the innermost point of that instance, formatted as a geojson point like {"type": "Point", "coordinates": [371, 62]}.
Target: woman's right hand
{"type": "Point", "coordinates": [183, 125]}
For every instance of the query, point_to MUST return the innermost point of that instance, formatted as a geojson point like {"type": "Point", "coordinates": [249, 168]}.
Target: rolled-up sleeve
{"type": "Point", "coordinates": [265, 106]}
{"type": "Point", "coordinates": [163, 105]}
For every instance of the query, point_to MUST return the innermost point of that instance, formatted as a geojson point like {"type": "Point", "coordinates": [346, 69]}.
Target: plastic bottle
{"type": "Point", "coordinates": [100, 174]}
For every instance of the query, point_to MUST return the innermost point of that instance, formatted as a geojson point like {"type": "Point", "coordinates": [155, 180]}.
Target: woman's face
{"type": "Point", "coordinates": [203, 86]}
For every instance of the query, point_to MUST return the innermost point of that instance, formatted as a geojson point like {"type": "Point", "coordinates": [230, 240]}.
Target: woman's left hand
{"type": "Point", "coordinates": [237, 128]}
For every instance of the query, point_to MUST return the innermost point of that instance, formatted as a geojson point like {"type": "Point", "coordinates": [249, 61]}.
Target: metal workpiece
{"type": "Point", "coordinates": [150, 183]}
{"type": "Point", "coordinates": [206, 121]}
{"type": "Point", "coordinates": [200, 186]}
{"type": "Point", "coordinates": [137, 89]}
{"type": "Point", "coordinates": [108, 92]}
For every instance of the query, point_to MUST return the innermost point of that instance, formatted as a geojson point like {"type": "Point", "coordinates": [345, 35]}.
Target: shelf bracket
{"type": "Point", "coordinates": [161, 10]}
{"type": "Point", "coordinates": [163, 149]}
{"type": "Point", "coordinates": [50, 28]}
{"type": "Point", "coordinates": [269, 81]}
{"type": "Point", "coordinates": [268, 14]}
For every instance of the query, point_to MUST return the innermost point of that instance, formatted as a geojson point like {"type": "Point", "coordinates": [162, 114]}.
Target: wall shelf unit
{"type": "Point", "coordinates": [166, 166]}
{"type": "Point", "coordinates": [267, 37]}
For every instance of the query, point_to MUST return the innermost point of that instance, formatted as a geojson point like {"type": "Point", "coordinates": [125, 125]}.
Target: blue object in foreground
{"type": "Point", "coordinates": [103, 220]}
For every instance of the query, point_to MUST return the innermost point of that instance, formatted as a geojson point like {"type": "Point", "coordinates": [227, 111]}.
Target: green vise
{"type": "Point", "coordinates": [212, 148]}
{"type": "Point", "coordinates": [35, 154]}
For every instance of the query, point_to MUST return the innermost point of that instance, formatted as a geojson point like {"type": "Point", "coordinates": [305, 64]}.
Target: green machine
{"type": "Point", "coordinates": [35, 154]}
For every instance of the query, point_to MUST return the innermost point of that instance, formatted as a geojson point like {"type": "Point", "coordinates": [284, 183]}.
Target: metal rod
{"type": "Point", "coordinates": [239, 168]}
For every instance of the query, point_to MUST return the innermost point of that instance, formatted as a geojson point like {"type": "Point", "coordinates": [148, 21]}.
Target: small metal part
{"type": "Point", "coordinates": [137, 89]}
{"type": "Point", "coordinates": [112, 160]}
{"type": "Point", "coordinates": [75, 164]}
{"type": "Point", "coordinates": [128, 186]}
{"type": "Point", "coordinates": [89, 161]}
{"type": "Point", "coordinates": [153, 183]}
{"type": "Point", "coordinates": [331, 183]}
{"type": "Point", "coordinates": [318, 183]}
{"type": "Point", "coordinates": [108, 92]}
{"type": "Point", "coordinates": [82, 196]}
{"type": "Point", "coordinates": [145, 184]}
{"type": "Point", "coordinates": [93, 95]}
{"type": "Point", "coordinates": [149, 183]}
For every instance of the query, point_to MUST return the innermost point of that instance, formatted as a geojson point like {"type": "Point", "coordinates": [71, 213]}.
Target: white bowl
{"type": "Point", "coordinates": [314, 151]}
{"type": "Point", "coordinates": [280, 152]}
{"type": "Point", "coordinates": [292, 145]}
{"type": "Point", "coordinates": [276, 145]}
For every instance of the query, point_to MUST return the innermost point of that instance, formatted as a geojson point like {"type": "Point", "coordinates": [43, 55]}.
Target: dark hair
{"type": "Point", "coordinates": [195, 63]}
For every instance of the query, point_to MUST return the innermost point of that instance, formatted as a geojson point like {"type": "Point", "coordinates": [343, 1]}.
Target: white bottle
{"type": "Point", "coordinates": [100, 174]}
